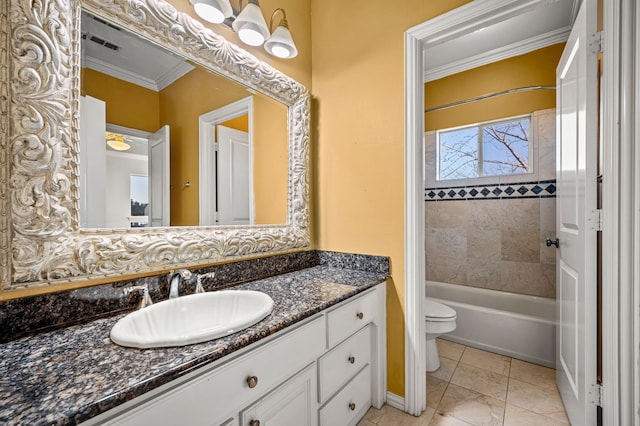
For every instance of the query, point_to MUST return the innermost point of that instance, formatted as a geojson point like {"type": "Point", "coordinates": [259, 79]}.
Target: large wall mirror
{"type": "Point", "coordinates": [139, 141]}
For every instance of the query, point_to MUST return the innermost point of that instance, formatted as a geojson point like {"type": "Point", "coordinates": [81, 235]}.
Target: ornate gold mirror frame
{"type": "Point", "coordinates": [39, 99]}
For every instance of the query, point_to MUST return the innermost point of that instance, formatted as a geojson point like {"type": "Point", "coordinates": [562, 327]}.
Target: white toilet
{"type": "Point", "coordinates": [439, 319]}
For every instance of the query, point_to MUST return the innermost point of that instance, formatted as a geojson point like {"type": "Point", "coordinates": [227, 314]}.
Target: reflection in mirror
{"type": "Point", "coordinates": [205, 161]}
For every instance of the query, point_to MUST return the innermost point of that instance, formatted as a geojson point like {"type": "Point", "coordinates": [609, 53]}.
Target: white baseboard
{"type": "Point", "coordinates": [395, 401]}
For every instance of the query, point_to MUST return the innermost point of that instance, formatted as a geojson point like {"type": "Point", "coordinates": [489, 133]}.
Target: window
{"type": "Point", "coordinates": [139, 189]}
{"type": "Point", "coordinates": [494, 148]}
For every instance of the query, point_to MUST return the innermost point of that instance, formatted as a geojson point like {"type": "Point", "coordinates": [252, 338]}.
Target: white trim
{"type": "Point", "coordinates": [162, 82]}
{"type": "Point", "coordinates": [173, 74]}
{"type": "Point", "coordinates": [395, 401]}
{"type": "Point", "coordinates": [621, 220]}
{"type": "Point", "coordinates": [207, 179]}
{"type": "Point", "coordinates": [119, 73]}
{"type": "Point", "coordinates": [470, 17]}
{"type": "Point", "coordinates": [515, 49]}
{"type": "Point", "coordinates": [414, 264]}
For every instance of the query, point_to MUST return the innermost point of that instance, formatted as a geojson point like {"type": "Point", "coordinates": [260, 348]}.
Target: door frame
{"type": "Point", "coordinates": [620, 273]}
{"type": "Point", "coordinates": [206, 157]}
{"type": "Point", "coordinates": [621, 205]}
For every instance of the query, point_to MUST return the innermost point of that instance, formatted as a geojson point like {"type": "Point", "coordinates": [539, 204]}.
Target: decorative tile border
{"type": "Point", "coordinates": [539, 189]}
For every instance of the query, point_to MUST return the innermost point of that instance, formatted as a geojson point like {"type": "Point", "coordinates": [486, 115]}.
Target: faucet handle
{"type": "Point", "coordinates": [143, 290]}
{"type": "Point", "coordinates": [199, 287]}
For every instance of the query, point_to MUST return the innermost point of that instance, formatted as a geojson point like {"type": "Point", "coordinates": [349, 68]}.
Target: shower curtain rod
{"type": "Point", "coordinates": [490, 95]}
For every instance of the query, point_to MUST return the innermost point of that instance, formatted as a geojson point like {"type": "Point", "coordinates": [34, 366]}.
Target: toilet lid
{"type": "Point", "coordinates": [438, 310]}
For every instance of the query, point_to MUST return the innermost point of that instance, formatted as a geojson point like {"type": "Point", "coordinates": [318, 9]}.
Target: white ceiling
{"type": "Point", "coordinates": [542, 25]}
{"type": "Point", "coordinates": [136, 60]}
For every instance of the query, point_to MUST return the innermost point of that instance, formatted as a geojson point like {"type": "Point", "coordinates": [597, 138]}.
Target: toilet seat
{"type": "Point", "coordinates": [437, 312]}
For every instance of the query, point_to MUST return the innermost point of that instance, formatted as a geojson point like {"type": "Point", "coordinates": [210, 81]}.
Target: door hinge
{"type": "Point", "coordinates": [597, 394]}
{"type": "Point", "coordinates": [596, 44]}
{"type": "Point", "coordinates": [597, 220]}
{"type": "Point", "coordinates": [216, 146]}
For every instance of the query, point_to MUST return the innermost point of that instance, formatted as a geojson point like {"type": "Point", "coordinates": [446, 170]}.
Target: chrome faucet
{"type": "Point", "coordinates": [200, 277]}
{"type": "Point", "coordinates": [174, 281]}
{"type": "Point", "coordinates": [143, 290]}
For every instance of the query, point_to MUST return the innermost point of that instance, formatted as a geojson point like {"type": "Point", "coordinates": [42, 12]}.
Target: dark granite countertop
{"type": "Point", "coordinates": [69, 375]}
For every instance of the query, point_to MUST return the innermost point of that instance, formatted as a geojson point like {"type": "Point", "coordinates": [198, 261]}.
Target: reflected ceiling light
{"type": "Point", "coordinates": [250, 25]}
{"type": "Point", "coordinates": [117, 142]}
{"type": "Point", "coordinates": [214, 11]}
{"type": "Point", "coordinates": [281, 43]}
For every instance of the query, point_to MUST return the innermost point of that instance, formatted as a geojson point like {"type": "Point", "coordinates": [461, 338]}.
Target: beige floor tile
{"type": "Point", "coordinates": [481, 380]}
{"type": "Point", "coordinates": [428, 414]}
{"type": "Point", "coordinates": [486, 360]}
{"type": "Point", "coordinates": [440, 420]}
{"type": "Point", "coordinates": [533, 374]}
{"type": "Point", "coordinates": [449, 349]}
{"type": "Point", "coordinates": [536, 399]}
{"type": "Point", "coordinates": [373, 414]}
{"type": "Point", "coordinates": [470, 406]}
{"type": "Point", "coordinates": [516, 416]}
{"type": "Point", "coordinates": [447, 366]}
{"type": "Point", "coordinates": [435, 390]}
{"type": "Point", "coordinates": [365, 422]}
{"type": "Point", "coordinates": [395, 417]}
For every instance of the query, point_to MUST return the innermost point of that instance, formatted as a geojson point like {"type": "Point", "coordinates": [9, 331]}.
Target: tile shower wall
{"type": "Point", "coordinates": [491, 232]}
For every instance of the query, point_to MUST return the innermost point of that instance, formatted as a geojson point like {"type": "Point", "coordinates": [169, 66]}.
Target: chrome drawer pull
{"type": "Point", "coordinates": [254, 423]}
{"type": "Point", "coordinates": [352, 406]}
{"type": "Point", "coordinates": [252, 381]}
{"type": "Point", "coordinates": [360, 315]}
{"type": "Point", "coordinates": [351, 359]}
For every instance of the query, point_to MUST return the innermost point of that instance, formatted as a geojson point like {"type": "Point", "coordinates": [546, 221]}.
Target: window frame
{"type": "Point", "coordinates": [480, 126]}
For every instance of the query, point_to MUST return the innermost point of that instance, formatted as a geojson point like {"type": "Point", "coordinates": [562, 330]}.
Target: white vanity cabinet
{"type": "Point", "coordinates": [327, 370]}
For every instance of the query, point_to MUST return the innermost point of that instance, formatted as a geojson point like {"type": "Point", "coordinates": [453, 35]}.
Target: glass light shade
{"type": "Point", "coordinates": [251, 26]}
{"type": "Point", "coordinates": [281, 43]}
{"type": "Point", "coordinates": [214, 11]}
{"type": "Point", "coordinates": [117, 142]}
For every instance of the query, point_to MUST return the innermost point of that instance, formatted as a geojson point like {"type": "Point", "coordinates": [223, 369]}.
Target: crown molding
{"type": "Point", "coordinates": [495, 55]}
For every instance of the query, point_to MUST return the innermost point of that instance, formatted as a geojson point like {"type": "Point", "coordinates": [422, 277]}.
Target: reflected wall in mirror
{"type": "Point", "coordinates": [40, 177]}
{"type": "Point", "coordinates": [144, 87]}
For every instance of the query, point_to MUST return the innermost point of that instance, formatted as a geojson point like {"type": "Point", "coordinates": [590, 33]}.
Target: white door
{"type": "Point", "coordinates": [159, 175]}
{"type": "Point", "coordinates": [576, 121]}
{"type": "Point", "coordinates": [93, 163]}
{"type": "Point", "coordinates": [235, 177]}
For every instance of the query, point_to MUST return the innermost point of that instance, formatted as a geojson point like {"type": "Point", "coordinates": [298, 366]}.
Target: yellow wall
{"type": "Point", "coordinates": [537, 68]}
{"type": "Point", "coordinates": [239, 123]}
{"type": "Point", "coordinates": [358, 86]}
{"type": "Point", "coordinates": [270, 161]}
{"type": "Point", "coordinates": [200, 92]}
{"type": "Point", "coordinates": [128, 105]}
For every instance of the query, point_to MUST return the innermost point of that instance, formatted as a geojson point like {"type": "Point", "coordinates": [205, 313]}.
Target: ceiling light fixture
{"type": "Point", "coordinates": [250, 25]}
{"type": "Point", "coordinates": [117, 142]}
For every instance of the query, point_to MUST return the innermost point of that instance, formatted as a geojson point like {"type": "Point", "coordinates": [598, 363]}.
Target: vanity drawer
{"type": "Point", "coordinates": [340, 364]}
{"type": "Point", "coordinates": [220, 392]}
{"type": "Point", "coordinates": [347, 319]}
{"type": "Point", "coordinates": [351, 403]}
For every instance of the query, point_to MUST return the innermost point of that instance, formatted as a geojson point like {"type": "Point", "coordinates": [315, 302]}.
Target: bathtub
{"type": "Point", "coordinates": [514, 325]}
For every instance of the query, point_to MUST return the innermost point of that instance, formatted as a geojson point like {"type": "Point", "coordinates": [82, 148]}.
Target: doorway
{"type": "Point", "coordinates": [451, 25]}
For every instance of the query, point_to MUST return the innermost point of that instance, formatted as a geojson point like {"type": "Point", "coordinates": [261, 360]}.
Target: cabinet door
{"type": "Point", "coordinates": [291, 404]}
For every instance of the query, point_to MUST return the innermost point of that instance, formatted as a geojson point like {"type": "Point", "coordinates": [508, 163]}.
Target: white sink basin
{"type": "Point", "coordinates": [192, 319]}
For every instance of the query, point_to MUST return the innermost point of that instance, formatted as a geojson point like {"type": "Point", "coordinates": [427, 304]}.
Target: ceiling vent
{"type": "Point", "coordinates": [101, 42]}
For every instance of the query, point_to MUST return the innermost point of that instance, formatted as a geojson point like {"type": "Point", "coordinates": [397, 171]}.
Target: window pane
{"type": "Point", "coordinates": [139, 200]}
{"type": "Point", "coordinates": [505, 149]}
{"type": "Point", "coordinates": [458, 153]}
